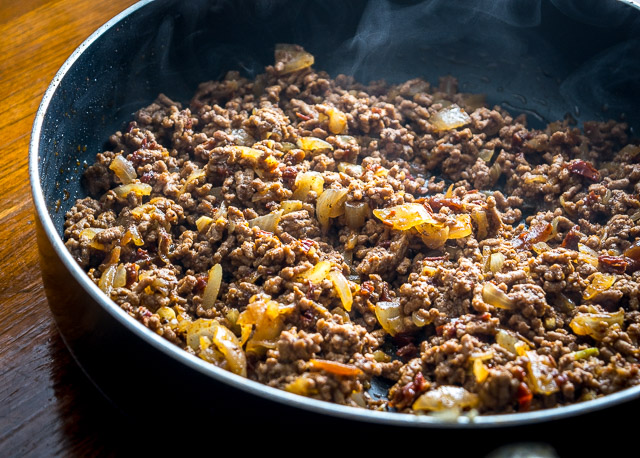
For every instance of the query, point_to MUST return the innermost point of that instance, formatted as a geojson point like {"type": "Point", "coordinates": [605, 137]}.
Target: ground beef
{"type": "Point", "coordinates": [319, 235]}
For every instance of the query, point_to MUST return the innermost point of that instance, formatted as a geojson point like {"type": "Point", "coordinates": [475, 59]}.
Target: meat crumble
{"type": "Point", "coordinates": [319, 235]}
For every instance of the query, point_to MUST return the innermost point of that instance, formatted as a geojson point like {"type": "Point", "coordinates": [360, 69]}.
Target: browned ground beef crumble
{"type": "Point", "coordinates": [516, 288]}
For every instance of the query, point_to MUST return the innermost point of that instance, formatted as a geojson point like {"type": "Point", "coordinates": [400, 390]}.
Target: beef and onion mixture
{"type": "Point", "coordinates": [323, 236]}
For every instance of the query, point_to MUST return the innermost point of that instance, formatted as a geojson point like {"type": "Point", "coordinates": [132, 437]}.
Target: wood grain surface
{"type": "Point", "coordinates": [47, 405]}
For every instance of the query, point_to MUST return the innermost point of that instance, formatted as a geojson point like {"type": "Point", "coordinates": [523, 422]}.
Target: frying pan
{"type": "Point", "coordinates": [547, 59]}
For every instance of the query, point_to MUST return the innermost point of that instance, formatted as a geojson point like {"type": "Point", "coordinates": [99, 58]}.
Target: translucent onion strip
{"type": "Point", "coordinates": [446, 397]}
{"type": "Point", "coordinates": [493, 295]}
{"type": "Point", "coordinates": [355, 214]}
{"type": "Point", "coordinates": [214, 281]}
{"type": "Point", "coordinates": [330, 204]}
{"type": "Point", "coordinates": [341, 284]}
{"type": "Point", "coordinates": [306, 182]}
{"type": "Point", "coordinates": [123, 169]}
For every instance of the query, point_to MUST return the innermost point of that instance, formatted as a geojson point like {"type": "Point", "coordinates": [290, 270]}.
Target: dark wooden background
{"type": "Point", "coordinates": [47, 406]}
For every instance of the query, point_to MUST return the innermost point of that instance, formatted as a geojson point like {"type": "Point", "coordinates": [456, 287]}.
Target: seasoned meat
{"type": "Point", "coordinates": [316, 234]}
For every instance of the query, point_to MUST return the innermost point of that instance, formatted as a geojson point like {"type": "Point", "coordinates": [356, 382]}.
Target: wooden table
{"type": "Point", "coordinates": [47, 405]}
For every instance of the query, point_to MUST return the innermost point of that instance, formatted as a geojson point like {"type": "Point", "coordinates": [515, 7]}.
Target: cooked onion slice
{"type": "Point", "coordinates": [290, 206]}
{"type": "Point", "coordinates": [446, 397]}
{"type": "Point", "coordinates": [123, 169]}
{"type": "Point", "coordinates": [405, 216]}
{"type": "Point", "coordinates": [449, 118]}
{"type": "Point", "coordinates": [106, 279]}
{"type": "Point", "coordinates": [389, 316]}
{"type": "Point", "coordinates": [511, 342]}
{"type": "Point", "coordinates": [229, 345]}
{"type": "Point", "coordinates": [495, 262]}
{"type": "Point", "coordinates": [292, 57]}
{"type": "Point", "coordinates": [203, 223]}
{"type": "Point", "coordinates": [302, 385]}
{"type": "Point", "coordinates": [330, 204]}
{"type": "Point", "coordinates": [308, 181]}
{"type": "Point", "coordinates": [541, 372]}
{"type": "Point", "coordinates": [193, 177]}
{"type": "Point", "coordinates": [337, 121]}
{"type": "Point", "coordinates": [317, 273]}
{"type": "Point", "coordinates": [132, 234]}
{"type": "Point", "coordinates": [493, 295]}
{"type": "Point", "coordinates": [433, 236]}
{"type": "Point", "coordinates": [461, 228]}
{"type": "Point", "coordinates": [214, 281]}
{"type": "Point", "coordinates": [341, 284]}
{"type": "Point", "coordinates": [140, 189]}
{"type": "Point", "coordinates": [268, 222]}
{"type": "Point", "coordinates": [90, 234]}
{"type": "Point", "coordinates": [596, 324]}
{"type": "Point", "coordinates": [261, 323]}
{"type": "Point", "coordinates": [599, 282]}
{"type": "Point", "coordinates": [336, 368]}
{"type": "Point", "coordinates": [313, 144]}
{"type": "Point", "coordinates": [355, 214]}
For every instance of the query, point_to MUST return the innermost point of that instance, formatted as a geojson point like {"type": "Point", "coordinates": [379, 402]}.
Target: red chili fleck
{"type": "Point", "coordinates": [570, 241]}
{"type": "Point", "coordinates": [132, 274]}
{"type": "Point", "coordinates": [538, 233]}
{"type": "Point", "coordinates": [612, 264]}
{"type": "Point", "coordinates": [409, 392]}
{"type": "Point", "coordinates": [289, 173]}
{"type": "Point", "coordinates": [303, 116]}
{"type": "Point", "coordinates": [142, 255]}
{"type": "Point", "coordinates": [201, 283]}
{"type": "Point", "coordinates": [307, 318]}
{"type": "Point", "coordinates": [148, 176]}
{"type": "Point", "coordinates": [366, 288]}
{"type": "Point", "coordinates": [452, 202]}
{"type": "Point", "coordinates": [306, 245]}
{"type": "Point", "coordinates": [376, 110]}
{"type": "Point", "coordinates": [144, 143]}
{"type": "Point", "coordinates": [524, 397]}
{"type": "Point", "coordinates": [585, 169]}
{"type": "Point", "coordinates": [408, 351]}
{"type": "Point", "coordinates": [591, 198]}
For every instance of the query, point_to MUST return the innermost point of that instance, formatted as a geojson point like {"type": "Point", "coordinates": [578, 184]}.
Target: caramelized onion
{"type": "Point", "coordinates": [390, 316]}
{"type": "Point", "coordinates": [123, 169]}
{"type": "Point", "coordinates": [461, 228]}
{"type": "Point", "coordinates": [341, 284]}
{"type": "Point", "coordinates": [599, 282]}
{"type": "Point", "coordinates": [308, 181]}
{"type": "Point", "coordinates": [541, 373]}
{"type": "Point", "coordinates": [336, 368]}
{"type": "Point", "coordinates": [291, 58]}
{"type": "Point", "coordinates": [355, 214]}
{"type": "Point", "coordinates": [446, 397]}
{"type": "Point", "coordinates": [140, 189]}
{"type": "Point", "coordinates": [405, 216]}
{"type": "Point", "coordinates": [313, 144]}
{"type": "Point", "coordinates": [317, 273]}
{"type": "Point", "coordinates": [337, 121]}
{"type": "Point", "coordinates": [330, 204]}
{"type": "Point", "coordinates": [268, 222]}
{"type": "Point", "coordinates": [449, 118]}
{"type": "Point", "coordinates": [596, 324]}
{"type": "Point", "coordinates": [214, 281]}
{"type": "Point", "coordinates": [493, 295]}
{"type": "Point", "coordinates": [262, 322]}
